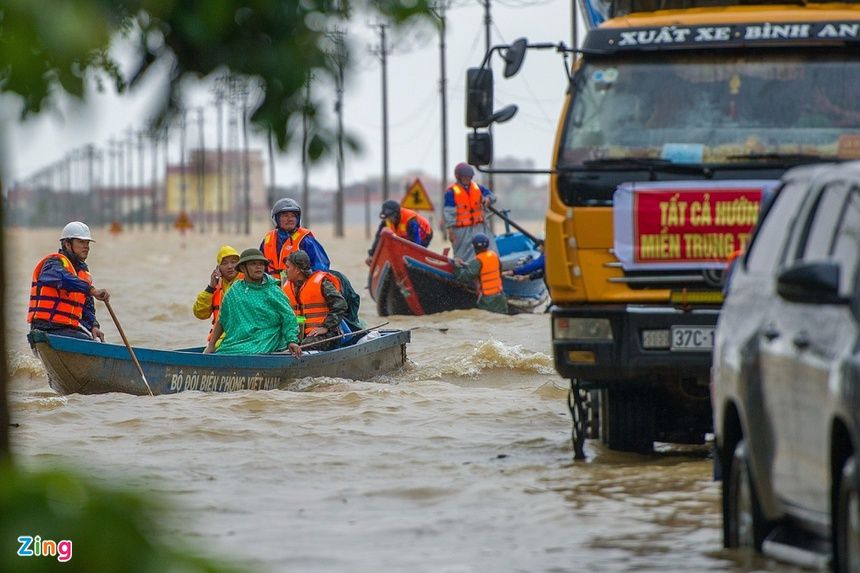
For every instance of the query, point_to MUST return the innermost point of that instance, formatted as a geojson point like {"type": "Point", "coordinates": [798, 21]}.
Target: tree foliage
{"type": "Point", "coordinates": [277, 44]}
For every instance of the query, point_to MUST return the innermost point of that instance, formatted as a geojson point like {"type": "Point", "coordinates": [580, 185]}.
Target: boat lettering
{"type": "Point", "coordinates": [220, 383]}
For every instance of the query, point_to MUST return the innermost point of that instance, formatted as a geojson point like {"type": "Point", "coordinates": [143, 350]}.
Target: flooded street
{"type": "Point", "coordinates": [459, 463]}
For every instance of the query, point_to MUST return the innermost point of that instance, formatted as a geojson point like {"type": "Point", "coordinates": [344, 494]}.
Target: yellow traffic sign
{"type": "Point", "coordinates": [183, 221]}
{"type": "Point", "coordinates": [416, 197]}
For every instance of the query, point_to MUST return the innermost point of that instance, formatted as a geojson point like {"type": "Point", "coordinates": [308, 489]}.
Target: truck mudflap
{"type": "Point", "coordinates": [632, 342]}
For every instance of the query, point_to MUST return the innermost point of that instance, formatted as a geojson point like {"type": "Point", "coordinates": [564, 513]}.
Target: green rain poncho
{"type": "Point", "coordinates": [257, 319]}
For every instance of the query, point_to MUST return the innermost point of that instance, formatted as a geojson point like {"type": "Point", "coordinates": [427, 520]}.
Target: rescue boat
{"type": "Point", "coordinates": [406, 278]}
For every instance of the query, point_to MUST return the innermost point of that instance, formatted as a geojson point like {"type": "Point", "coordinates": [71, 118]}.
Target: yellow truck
{"type": "Point", "coordinates": [679, 119]}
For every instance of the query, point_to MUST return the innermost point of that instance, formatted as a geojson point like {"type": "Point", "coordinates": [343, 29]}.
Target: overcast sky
{"type": "Point", "coordinates": [413, 99]}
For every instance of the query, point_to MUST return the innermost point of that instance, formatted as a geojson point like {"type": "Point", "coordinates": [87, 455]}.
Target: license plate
{"type": "Point", "coordinates": [692, 338]}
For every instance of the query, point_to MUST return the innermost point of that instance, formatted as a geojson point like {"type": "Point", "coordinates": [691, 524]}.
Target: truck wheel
{"type": "Point", "coordinates": [628, 420]}
{"type": "Point", "coordinates": [743, 522]}
{"type": "Point", "coordinates": [847, 522]}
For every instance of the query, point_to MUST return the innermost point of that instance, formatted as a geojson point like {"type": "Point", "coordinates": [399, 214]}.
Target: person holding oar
{"type": "Point", "coordinates": [316, 298]}
{"type": "Point", "coordinates": [255, 317]}
{"type": "Point", "coordinates": [62, 291]}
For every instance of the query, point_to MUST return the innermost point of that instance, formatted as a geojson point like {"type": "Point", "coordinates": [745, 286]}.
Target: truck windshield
{"type": "Point", "coordinates": [726, 109]}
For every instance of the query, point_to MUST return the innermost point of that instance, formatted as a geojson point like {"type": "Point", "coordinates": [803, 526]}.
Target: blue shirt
{"type": "Point", "coordinates": [316, 252]}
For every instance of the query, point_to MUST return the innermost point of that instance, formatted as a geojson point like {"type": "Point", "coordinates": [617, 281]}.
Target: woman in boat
{"type": "Point", "coordinates": [485, 268]}
{"type": "Point", "coordinates": [62, 291]}
{"type": "Point", "coordinates": [316, 297]}
{"type": "Point", "coordinates": [255, 317]}
{"type": "Point", "coordinates": [208, 301]}
{"type": "Point", "coordinates": [405, 223]}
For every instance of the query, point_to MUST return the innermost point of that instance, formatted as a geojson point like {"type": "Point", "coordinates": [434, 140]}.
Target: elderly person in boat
{"type": "Point", "coordinates": [208, 301]}
{"type": "Point", "coordinates": [255, 317]}
{"type": "Point", "coordinates": [316, 297]}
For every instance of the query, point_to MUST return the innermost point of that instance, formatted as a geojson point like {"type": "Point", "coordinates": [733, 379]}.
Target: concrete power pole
{"type": "Point", "coordinates": [340, 61]}
{"type": "Point", "coordinates": [382, 52]}
{"type": "Point", "coordinates": [201, 171]}
{"type": "Point", "coordinates": [443, 94]}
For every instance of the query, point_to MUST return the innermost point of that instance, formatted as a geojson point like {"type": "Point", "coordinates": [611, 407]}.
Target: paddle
{"type": "Point", "coordinates": [308, 345]}
{"type": "Point", "coordinates": [127, 345]}
{"type": "Point", "coordinates": [515, 225]}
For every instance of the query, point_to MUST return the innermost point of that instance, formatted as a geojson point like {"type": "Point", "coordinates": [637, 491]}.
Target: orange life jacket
{"type": "Point", "coordinates": [217, 297]}
{"type": "Point", "coordinates": [59, 306]}
{"type": "Point", "coordinates": [270, 245]}
{"type": "Point", "coordinates": [310, 301]}
{"type": "Point", "coordinates": [407, 215]}
{"type": "Point", "coordinates": [469, 209]}
{"type": "Point", "coordinates": [491, 276]}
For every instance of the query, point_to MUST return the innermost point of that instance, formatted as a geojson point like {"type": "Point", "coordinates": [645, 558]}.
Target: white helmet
{"type": "Point", "coordinates": [76, 230]}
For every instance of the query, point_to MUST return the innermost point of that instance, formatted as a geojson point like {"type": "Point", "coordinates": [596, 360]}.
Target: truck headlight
{"type": "Point", "coordinates": [582, 329]}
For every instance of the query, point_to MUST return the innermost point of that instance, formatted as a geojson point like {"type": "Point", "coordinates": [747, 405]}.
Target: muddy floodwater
{"type": "Point", "coordinates": [459, 463]}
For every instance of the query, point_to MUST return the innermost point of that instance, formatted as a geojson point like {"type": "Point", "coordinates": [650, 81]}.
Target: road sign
{"type": "Point", "coordinates": [183, 221]}
{"type": "Point", "coordinates": [416, 197]}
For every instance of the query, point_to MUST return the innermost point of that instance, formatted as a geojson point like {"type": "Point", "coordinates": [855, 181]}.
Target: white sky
{"type": "Point", "coordinates": [413, 100]}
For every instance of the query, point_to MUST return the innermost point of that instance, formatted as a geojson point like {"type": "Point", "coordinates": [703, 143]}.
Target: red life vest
{"type": "Point", "coordinates": [406, 215]}
{"type": "Point", "coordinates": [310, 301]}
{"type": "Point", "coordinates": [59, 306]}
{"type": "Point", "coordinates": [491, 276]}
{"type": "Point", "coordinates": [469, 209]}
{"type": "Point", "coordinates": [270, 245]}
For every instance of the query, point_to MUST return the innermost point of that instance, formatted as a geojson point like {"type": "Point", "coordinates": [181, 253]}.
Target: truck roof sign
{"type": "Point", "coordinates": [721, 35]}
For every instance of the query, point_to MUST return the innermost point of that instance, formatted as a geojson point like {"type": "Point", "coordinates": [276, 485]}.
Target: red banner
{"type": "Point", "coordinates": [692, 225]}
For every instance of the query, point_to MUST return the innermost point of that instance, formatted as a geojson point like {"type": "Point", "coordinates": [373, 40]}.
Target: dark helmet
{"type": "Point", "coordinates": [480, 241]}
{"type": "Point", "coordinates": [463, 170]}
{"type": "Point", "coordinates": [389, 209]}
{"type": "Point", "coordinates": [285, 205]}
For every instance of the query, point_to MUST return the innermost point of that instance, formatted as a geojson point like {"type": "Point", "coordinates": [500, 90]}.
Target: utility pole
{"type": "Point", "coordinates": [270, 196]}
{"type": "Point", "coordinates": [128, 201]}
{"type": "Point", "coordinates": [306, 197]}
{"type": "Point", "coordinates": [182, 182]}
{"type": "Point", "coordinates": [443, 94]}
{"type": "Point", "coordinates": [246, 167]}
{"type": "Point", "coordinates": [141, 217]}
{"type": "Point", "coordinates": [383, 53]}
{"type": "Point", "coordinates": [201, 171]}
{"type": "Point", "coordinates": [153, 185]}
{"type": "Point", "coordinates": [340, 60]}
{"type": "Point", "coordinates": [219, 106]}
{"type": "Point", "coordinates": [488, 22]}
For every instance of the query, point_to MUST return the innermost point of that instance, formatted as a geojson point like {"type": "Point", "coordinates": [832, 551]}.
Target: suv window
{"type": "Point", "coordinates": [846, 243]}
{"type": "Point", "coordinates": [769, 238]}
{"type": "Point", "coordinates": [820, 234]}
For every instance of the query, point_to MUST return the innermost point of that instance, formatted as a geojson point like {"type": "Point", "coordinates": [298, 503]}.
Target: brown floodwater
{"type": "Point", "coordinates": [459, 463]}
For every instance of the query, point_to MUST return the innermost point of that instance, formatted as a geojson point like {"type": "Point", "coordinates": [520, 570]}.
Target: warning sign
{"type": "Point", "coordinates": [183, 221]}
{"type": "Point", "coordinates": [416, 197]}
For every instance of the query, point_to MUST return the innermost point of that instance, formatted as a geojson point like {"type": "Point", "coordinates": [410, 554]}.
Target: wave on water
{"type": "Point", "coordinates": [493, 354]}
{"type": "Point", "coordinates": [25, 364]}
{"type": "Point", "coordinates": [169, 311]}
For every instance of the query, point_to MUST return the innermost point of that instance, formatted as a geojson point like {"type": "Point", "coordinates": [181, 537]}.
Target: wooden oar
{"type": "Point", "coordinates": [507, 219]}
{"type": "Point", "coordinates": [308, 345]}
{"type": "Point", "coordinates": [127, 345]}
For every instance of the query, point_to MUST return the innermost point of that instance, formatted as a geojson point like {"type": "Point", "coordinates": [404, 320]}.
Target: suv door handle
{"type": "Point", "coordinates": [801, 340]}
{"type": "Point", "coordinates": [770, 332]}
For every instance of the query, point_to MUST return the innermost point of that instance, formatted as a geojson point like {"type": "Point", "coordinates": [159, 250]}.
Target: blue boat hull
{"type": "Point", "coordinates": [76, 366]}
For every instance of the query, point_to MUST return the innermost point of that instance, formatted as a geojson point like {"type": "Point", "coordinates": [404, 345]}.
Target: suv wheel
{"type": "Point", "coordinates": [847, 521]}
{"type": "Point", "coordinates": [743, 523]}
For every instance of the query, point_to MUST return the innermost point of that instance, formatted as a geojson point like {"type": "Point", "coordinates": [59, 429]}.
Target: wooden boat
{"type": "Point", "coordinates": [77, 366]}
{"type": "Point", "coordinates": [406, 278]}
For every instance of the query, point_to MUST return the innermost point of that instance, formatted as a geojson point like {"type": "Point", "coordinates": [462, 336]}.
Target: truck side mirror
{"type": "Point", "coordinates": [480, 148]}
{"type": "Point", "coordinates": [813, 283]}
{"type": "Point", "coordinates": [514, 57]}
{"type": "Point", "coordinates": [479, 97]}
